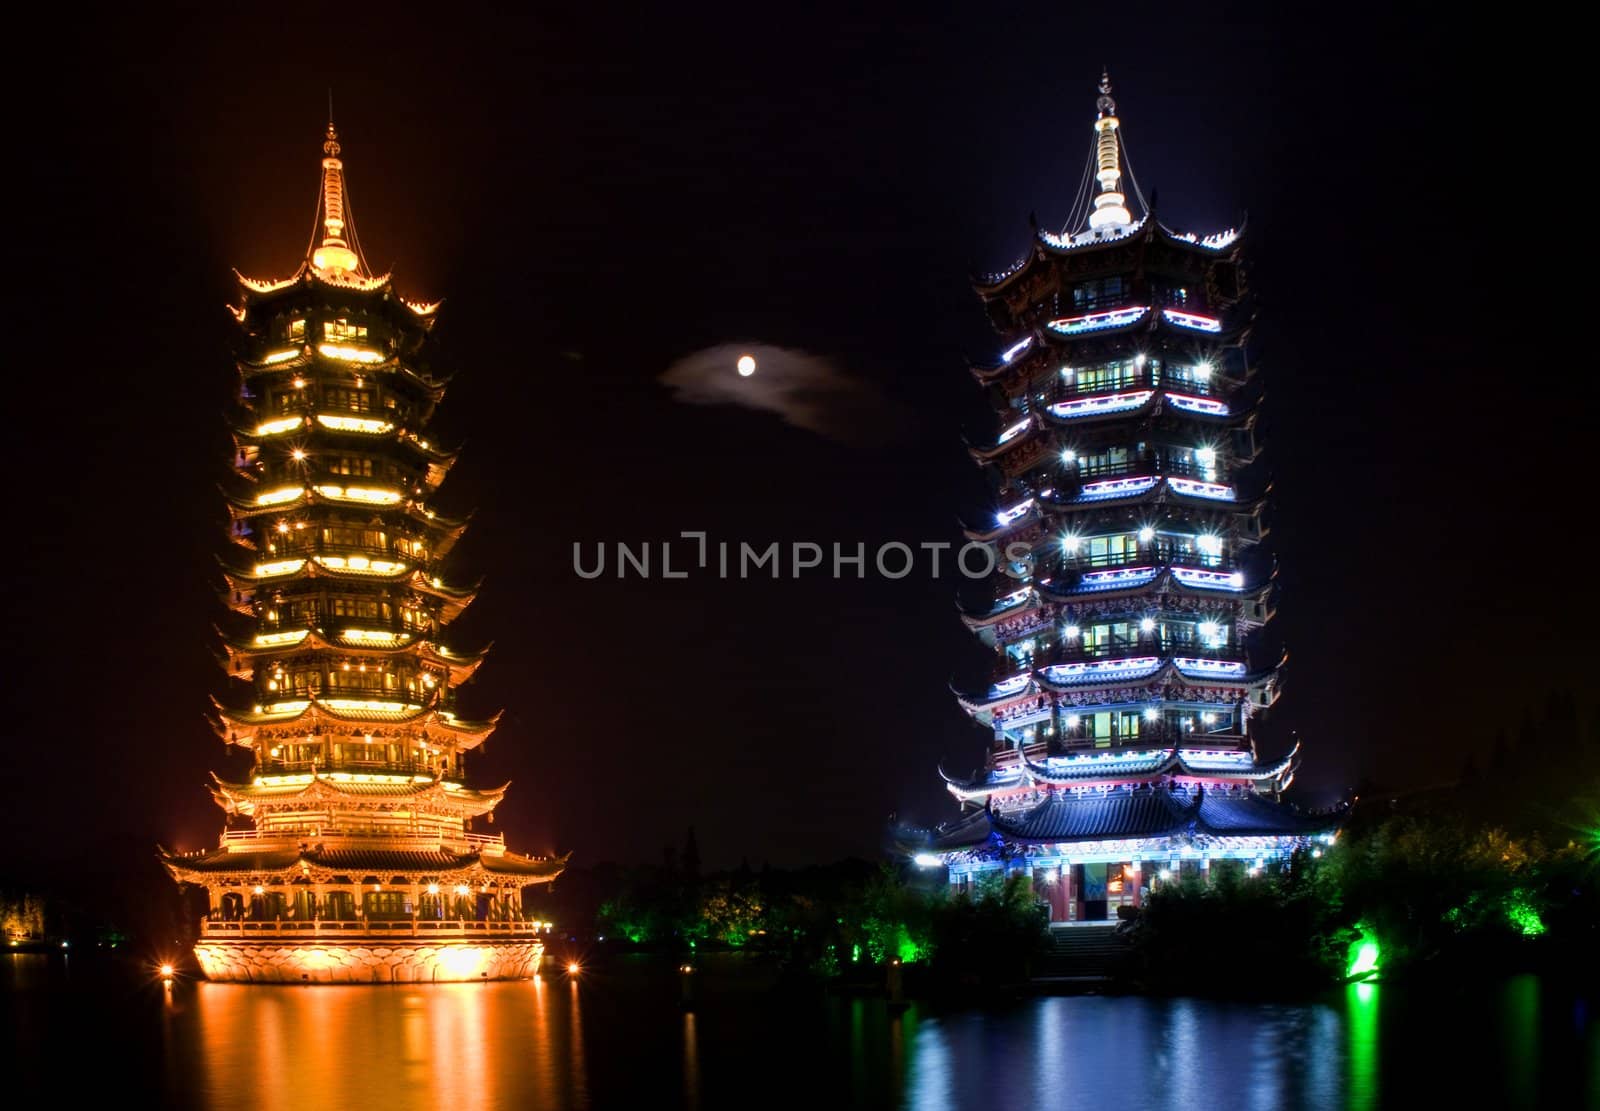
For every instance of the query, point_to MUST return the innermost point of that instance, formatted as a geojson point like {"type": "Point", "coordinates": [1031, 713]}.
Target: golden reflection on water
{"type": "Point", "coordinates": [691, 1062]}
{"type": "Point", "coordinates": [516, 1044]}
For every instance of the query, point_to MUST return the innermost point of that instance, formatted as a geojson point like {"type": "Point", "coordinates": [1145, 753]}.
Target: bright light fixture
{"type": "Point", "coordinates": [746, 366]}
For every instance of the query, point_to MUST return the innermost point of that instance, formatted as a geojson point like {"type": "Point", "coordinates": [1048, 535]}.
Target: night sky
{"type": "Point", "coordinates": [596, 196]}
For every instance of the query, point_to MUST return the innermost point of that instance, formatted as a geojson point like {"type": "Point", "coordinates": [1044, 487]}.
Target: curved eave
{"type": "Point", "coordinates": [247, 798]}
{"type": "Point", "coordinates": [990, 284]}
{"type": "Point", "coordinates": [243, 654]}
{"type": "Point", "coordinates": [974, 620]}
{"type": "Point", "coordinates": [1258, 773]}
{"type": "Point", "coordinates": [1092, 682]}
{"type": "Point", "coordinates": [468, 728]}
{"type": "Point", "coordinates": [979, 703]}
{"type": "Point", "coordinates": [1164, 669]}
{"type": "Point", "coordinates": [252, 368]}
{"type": "Point", "coordinates": [1048, 593]}
{"type": "Point", "coordinates": [976, 788]}
{"type": "Point", "coordinates": [1259, 589]}
{"type": "Point", "coordinates": [1046, 246]}
{"type": "Point", "coordinates": [447, 527]}
{"type": "Point", "coordinates": [1102, 773]}
{"type": "Point", "coordinates": [1058, 422]}
{"type": "Point", "coordinates": [1230, 333]}
{"type": "Point", "coordinates": [454, 599]}
{"type": "Point", "coordinates": [306, 274]}
{"type": "Point", "coordinates": [433, 455]}
{"type": "Point", "coordinates": [1241, 417]}
{"type": "Point", "coordinates": [994, 532]}
{"type": "Point", "coordinates": [995, 451]}
{"type": "Point", "coordinates": [239, 726]}
{"type": "Point", "coordinates": [443, 866]}
{"type": "Point", "coordinates": [1221, 246]}
{"type": "Point", "coordinates": [1244, 506]}
{"type": "Point", "coordinates": [240, 579]}
{"type": "Point", "coordinates": [315, 709]}
{"type": "Point", "coordinates": [533, 869]}
{"type": "Point", "coordinates": [1056, 505]}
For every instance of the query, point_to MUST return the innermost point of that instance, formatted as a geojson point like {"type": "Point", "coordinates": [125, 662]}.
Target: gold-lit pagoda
{"type": "Point", "coordinates": [349, 853]}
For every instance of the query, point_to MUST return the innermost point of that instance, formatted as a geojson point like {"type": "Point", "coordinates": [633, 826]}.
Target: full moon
{"type": "Point", "coordinates": [747, 366]}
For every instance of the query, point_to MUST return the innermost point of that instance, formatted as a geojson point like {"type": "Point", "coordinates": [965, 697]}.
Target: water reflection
{"type": "Point", "coordinates": [1181, 1054]}
{"type": "Point", "coordinates": [620, 1039]}
{"type": "Point", "coordinates": [442, 1045]}
{"type": "Point", "coordinates": [1361, 1010]}
{"type": "Point", "coordinates": [1520, 1037]}
{"type": "Point", "coordinates": [691, 1063]}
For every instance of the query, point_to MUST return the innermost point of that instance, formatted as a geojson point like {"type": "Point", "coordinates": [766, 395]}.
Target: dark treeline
{"type": "Point", "coordinates": [1495, 870]}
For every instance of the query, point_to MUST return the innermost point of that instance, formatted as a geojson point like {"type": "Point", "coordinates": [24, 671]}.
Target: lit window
{"type": "Point", "coordinates": [342, 329]}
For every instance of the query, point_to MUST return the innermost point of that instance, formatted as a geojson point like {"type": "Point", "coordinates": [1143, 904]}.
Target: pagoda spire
{"type": "Point", "coordinates": [1110, 207]}
{"type": "Point", "coordinates": [335, 255]}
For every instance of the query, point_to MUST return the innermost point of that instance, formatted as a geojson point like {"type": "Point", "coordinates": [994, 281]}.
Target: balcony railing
{"type": "Point", "coordinates": [1076, 389]}
{"type": "Point", "coordinates": [1160, 734]}
{"type": "Point", "coordinates": [365, 927]}
{"type": "Point", "coordinates": [354, 767]}
{"type": "Point", "coordinates": [1147, 554]}
{"type": "Point", "coordinates": [1069, 651]}
{"type": "Point", "coordinates": [1147, 463]}
{"type": "Point", "coordinates": [329, 837]}
{"type": "Point", "coordinates": [1149, 734]}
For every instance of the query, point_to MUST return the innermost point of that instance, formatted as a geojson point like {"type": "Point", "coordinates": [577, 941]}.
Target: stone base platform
{"type": "Point", "coordinates": [403, 960]}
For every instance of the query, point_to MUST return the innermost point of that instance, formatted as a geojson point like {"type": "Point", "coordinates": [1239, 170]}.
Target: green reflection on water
{"type": "Point", "coordinates": [1519, 1037]}
{"type": "Point", "coordinates": [1361, 1005]}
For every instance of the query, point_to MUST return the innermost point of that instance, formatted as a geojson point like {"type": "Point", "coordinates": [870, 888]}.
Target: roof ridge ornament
{"type": "Point", "coordinates": [1111, 206]}
{"type": "Point", "coordinates": [334, 256]}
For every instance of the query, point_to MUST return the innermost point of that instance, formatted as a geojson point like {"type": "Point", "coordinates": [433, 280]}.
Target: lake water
{"type": "Point", "coordinates": [617, 1037]}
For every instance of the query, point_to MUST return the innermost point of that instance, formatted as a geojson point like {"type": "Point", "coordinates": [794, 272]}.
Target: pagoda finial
{"type": "Point", "coordinates": [334, 255]}
{"type": "Point", "coordinates": [1110, 207]}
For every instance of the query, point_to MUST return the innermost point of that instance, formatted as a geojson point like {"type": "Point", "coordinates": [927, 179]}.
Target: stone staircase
{"type": "Point", "coordinates": [1081, 954]}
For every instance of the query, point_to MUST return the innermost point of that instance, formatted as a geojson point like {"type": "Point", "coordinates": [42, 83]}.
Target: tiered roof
{"type": "Point", "coordinates": [1127, 417]}
{"type": "Point", "coordinates": [1066, 817]}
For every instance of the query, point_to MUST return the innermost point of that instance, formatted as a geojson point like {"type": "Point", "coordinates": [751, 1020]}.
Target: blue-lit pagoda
{"type": "Point", "coordinates": [1131, 575]}
{"type": "Point", "coordinates": [349, 854]}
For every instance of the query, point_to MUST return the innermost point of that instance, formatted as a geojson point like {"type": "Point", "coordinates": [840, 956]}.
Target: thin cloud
{"type": "Point", "coordinates": [805, 390]}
